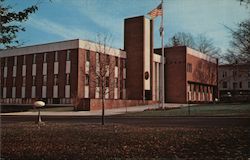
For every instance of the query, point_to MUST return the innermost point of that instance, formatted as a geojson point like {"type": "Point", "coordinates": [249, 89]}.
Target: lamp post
{"type": "Point", "coordinates": [39, 105]}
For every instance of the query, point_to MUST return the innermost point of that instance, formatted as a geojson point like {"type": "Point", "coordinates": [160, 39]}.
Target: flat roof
{"type": "Point", "coordinates": [61, 45]}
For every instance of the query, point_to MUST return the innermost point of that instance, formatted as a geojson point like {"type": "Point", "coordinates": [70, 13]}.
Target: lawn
{"type": "Point", "coordinates": [200, 110]}
{"type": "Point", "coordinates": [115, 141]}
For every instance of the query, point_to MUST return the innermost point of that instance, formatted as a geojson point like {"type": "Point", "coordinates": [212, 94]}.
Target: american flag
{"type": "Point", "coordinates": [156, 12]}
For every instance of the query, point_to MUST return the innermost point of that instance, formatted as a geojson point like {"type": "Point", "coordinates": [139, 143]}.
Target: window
{"type": "Point", "coordinates": [107, 59]}
{"type": "Point", "coordinates": [107, 81]}
{"type": "Point", "coordinates": [68, 55]}
{"type": "Point", "coordinates": [45, 57]}
{"type": "Point", "coordinates": [15, 60]}
{"type": "Point", "coordinates": [44, 80]}
{"type": "Point", "coordinates": [56, 56]}
{"type": "Point", "coordinates": [124, 63]}
{"type": "Point", "coordinates": [116, 61]}
{"type": "Point", "coordinates": [87, 55]}
{"type": "Point", "coordinates": [249, 73]}
{"type": "Point", "coordinates": [67, 78]}
{"type": "Point", "coordinates": [24, 81]}
{"type": "Point", "coordinates": [224, 85]}
{"type": "Point", "coordinates": [240, 84]}
{"type": "Point", "coordinates": [5, 82]}
{"type": "Point", "coordinates": [6, 61]}
{"type": "Point", "coordinates": [34, 59]}
{"type": "Point", "coordinates": [14, 82]}
{"type": "Point", "coordinates": [116, 82]}
{"type": "Point", "coordinates": [234, 73]}
{"type": "Point", "coordinates": [189, 67]}
{"type": "Point", "coordinates": [97, 82]}
{"type": "Point", "coordinates": [33, 80]}
{"type": "Point", "coordinates": [224, 74]}
{"type": "Point", "coordinates": [97, 57]}
{"type": "Point", "coordinates": [55, 79]}
{"type": "Point", "coordinates": [124, 83]}
{"type": "Point", "coordinates": [86, 79]}
{"type": "Point", "coordinates": [234, 85]}
{"type": "Point", "coordinates": [24, 60]}
{"type": "Point", "coordinates": [248, 84]}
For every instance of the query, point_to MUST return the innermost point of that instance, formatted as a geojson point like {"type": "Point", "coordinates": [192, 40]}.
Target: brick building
{"type": "Point", "coordinates": [61, 71]}
{"type": "Point", "coordinates": [234, 82]}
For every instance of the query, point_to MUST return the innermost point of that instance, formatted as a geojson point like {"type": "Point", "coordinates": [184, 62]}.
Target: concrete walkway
{"type": "Point", "coordinates": [97, 112]}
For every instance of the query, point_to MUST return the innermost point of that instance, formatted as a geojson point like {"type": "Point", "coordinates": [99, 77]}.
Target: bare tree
{"type": "Point", "coordinates": [102, 71]}
{"type": "Point", "coordinates": [206, 45]}
{"type": "Point", "coordinates": [200, 43]}
{"type": "Point", "coordinates": [182, 39]}
{"type": "Point", "coordinates": [240, 43]}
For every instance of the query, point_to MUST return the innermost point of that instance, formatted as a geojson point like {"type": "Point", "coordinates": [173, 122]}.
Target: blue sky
{"type": "Point", "coordinates": [70, 19]}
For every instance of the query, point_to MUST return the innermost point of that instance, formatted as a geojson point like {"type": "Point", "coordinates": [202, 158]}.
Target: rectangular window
{"type": "Point", "coordinates": [124, 63]}
{"type": "Point", "coordinates": [248, 84]}
{"type": "Point", "coordinates": [24, 81]}
{"type": "Point", "coordinates": [97, 57]}
{"type": "Point", "coordinates": [116, 61]}
{"type": "Point", "coordinates": [224, 74]}
{"type": "Point", "coordinates": [44, 80]}
{"type": "Point", "coordinates": [5, 82]}
{"type": "Point", "coordinates": [45, 57]}
{"type": "Point", "coordinates": [34, 59]}
{"type": "Point", "coordinates": [5, 61]}
{"type": "Point", "coordinates": [14, 82]}
{"type": "Point", "coordinates": [116, 82]}
{"type": "Point", "coordinates": [56, 56]}
{"type": "Point", "coordinates": [15, 60]}
{"type": "Point", "coordinates": [97, 82]}
{"type": "Point", "coordinates": [107, 81]}
{"type": "Point", "coordinates": [55, 79]}
{"type": "Point", "coordinates": [24, 60]}
{"type": "Point", "coordinates": [107, 59]}
{"type": "Point", "coordinates": [87, 55]}
{"type": "Point", "coordinates": [68, 55]}
{"type": "Point", "coordinates": [67, 78]}
{"type": "Point", "coordinates": [33, 80]}
{"type": "Point", "coordinates": [86, 79]}
{"type": "Point", "coordinates": [234, 85]}
{"type": "Point", "coordinates": [189, 67]}
{"type": "Point", "coordinates": [224, 84]}
{"type": "Point", "coordinates": [124, 83]}
{"type": "Point", "coordinates": [240, 84]}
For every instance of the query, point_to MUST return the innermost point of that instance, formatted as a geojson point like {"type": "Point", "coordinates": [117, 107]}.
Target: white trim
{"type": "Point", "coordinates": [201, 55]}
{"type": "Point", "coordinates": [5, 71]}
{"type": "Point", "coordinates": [62, 45]}
{"type": "Point", "coordinates": [156, 58]}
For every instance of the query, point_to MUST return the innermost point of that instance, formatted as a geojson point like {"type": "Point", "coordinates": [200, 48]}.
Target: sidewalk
{"type": "Point", "coordinates": [93, 113]}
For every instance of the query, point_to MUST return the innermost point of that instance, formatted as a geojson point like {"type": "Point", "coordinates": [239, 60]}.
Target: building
{"type": "Point", "coordinates": [190, 76]}
{"type": "Point", "coordinates": [64, 72]}
{"type": "Point", "coordinates": [234, 82]}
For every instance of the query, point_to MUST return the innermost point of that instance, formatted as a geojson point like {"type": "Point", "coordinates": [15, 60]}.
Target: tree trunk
{"type": "Point", "coordinates": [103, 110]}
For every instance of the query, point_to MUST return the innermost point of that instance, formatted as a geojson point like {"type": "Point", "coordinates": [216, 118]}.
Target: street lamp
{"type": "Point", "coordinates": [39, 105]}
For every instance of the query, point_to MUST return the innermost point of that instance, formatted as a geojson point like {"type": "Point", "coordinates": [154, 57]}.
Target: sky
{"type": "Point", "coordinates": [58, 20]}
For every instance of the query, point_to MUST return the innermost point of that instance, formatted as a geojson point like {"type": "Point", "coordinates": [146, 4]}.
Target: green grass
{"type": "Point", "coordinates": [200, 110]}
{"type": "Point", "coordinates": [54, 109]}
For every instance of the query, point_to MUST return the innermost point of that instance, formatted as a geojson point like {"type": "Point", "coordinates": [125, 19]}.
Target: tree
{"type": "Point", "coordinates": [200, 43]}
{"type": "Point", "coordinates": [10, 24]}
{"type": "Point", "coordinates": [102, 70]}
{"type": "Point", "coordinates": [206, 45]}
{"type": "Point", "coordinates": [240, 43]}
{"type": "Point", "coordinates": [246, 2]}
{"type": "Point", "coordinates": [182, 39]}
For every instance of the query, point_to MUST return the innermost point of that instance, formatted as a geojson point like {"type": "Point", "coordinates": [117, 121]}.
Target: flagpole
{"type": "Point", "coordinates": [162, 57]}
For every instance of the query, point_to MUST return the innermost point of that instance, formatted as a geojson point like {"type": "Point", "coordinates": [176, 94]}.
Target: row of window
{"type": "Point", "coordinates": [235, 85]}
{"type": "Point", "coordinates": [235, 73]}
{"type": "Point", "coordinates": [34, 59]}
